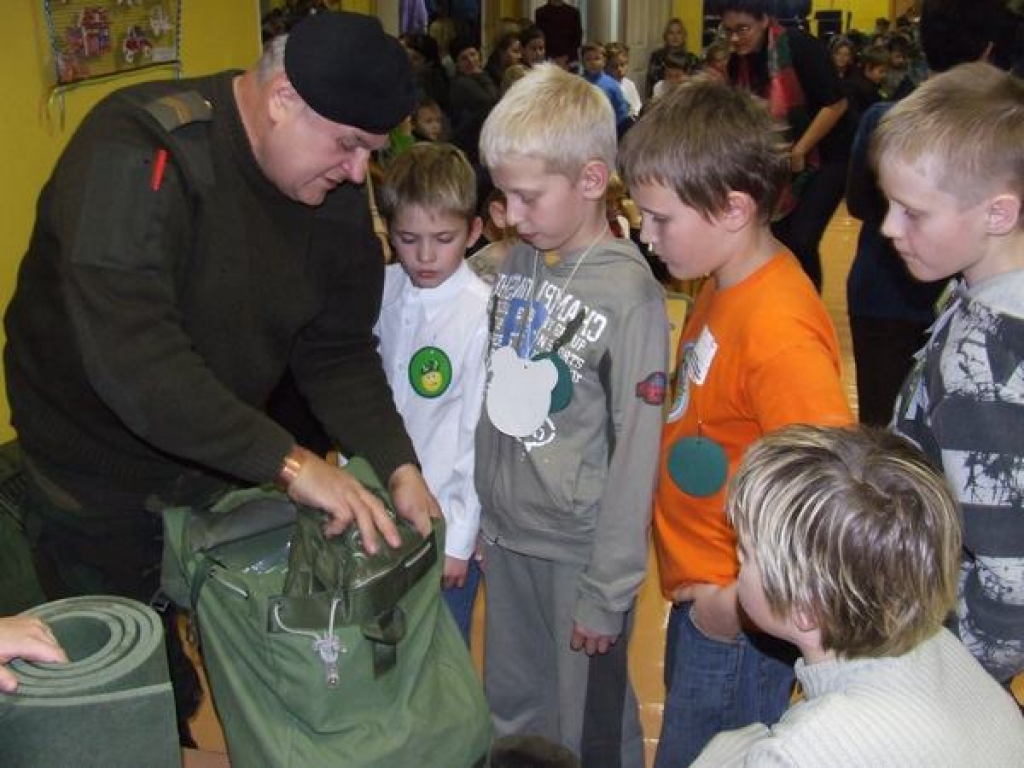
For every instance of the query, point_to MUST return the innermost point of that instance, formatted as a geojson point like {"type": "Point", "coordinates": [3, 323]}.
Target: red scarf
{"type": "Point", "coordinates": [785, 96]}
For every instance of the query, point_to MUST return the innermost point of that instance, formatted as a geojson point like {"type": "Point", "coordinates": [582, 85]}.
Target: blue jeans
{"type": "Point", "coordinates": [713, 686]}
{"type": "Point", "coordinates": [460, 599]}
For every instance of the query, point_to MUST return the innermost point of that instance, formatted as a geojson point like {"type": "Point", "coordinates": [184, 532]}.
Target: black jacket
{"type": "Point", "coordinates": [156, 310]}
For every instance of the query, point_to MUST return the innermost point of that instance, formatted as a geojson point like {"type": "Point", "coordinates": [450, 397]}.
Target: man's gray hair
{"type": "Point", "coordinates": [272, 59]}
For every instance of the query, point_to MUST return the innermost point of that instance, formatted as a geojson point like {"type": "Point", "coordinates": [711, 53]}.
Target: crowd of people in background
{"type": "Point", "coordinates": [460, 76]}
{"type": "Point", "coordinates": [458, 85]}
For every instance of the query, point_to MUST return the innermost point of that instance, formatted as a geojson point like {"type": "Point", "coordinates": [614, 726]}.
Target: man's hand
{"type": "Point", "coordinates": [454, 572]}
{"type": "Point", "coordinates": [590, 641]}
{"type": "Point", "coordinates": [25, 637]}
{"type": "Point", "coordinates": [715, 609]}
{"type": "Point", "coordinates": [412, 499]}
{"type": "Point", "coordinates": [344, 499]}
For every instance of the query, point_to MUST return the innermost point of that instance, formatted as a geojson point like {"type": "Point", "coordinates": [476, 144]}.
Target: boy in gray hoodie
{"type": "Point", "coordinates": [567, 445]}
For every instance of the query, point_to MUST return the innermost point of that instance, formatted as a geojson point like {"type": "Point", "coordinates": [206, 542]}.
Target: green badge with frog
{"type": "Point", "coordinates": [430, 372]}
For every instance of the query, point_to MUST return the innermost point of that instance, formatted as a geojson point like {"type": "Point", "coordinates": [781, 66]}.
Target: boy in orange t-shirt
{"type": "Point", "coordinates": [707, 167]}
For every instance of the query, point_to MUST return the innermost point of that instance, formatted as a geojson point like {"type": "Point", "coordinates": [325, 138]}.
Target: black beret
{"type": "Point", "coordinates": [350, 71]}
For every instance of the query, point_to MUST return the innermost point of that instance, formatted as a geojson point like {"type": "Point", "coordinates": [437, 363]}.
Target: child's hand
{"type": "Point", "coordinates": [25, 637]}
{"type": "Point", "coordinates": [715, 611]}
{"type": "Point", "coordinates": [454, 572]}
{"type": "Point", "coordinates": [590, 641]}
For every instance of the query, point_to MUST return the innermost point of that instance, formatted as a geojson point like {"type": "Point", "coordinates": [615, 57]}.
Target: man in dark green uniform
{"type": "Point", "coordinates": [196, 240]}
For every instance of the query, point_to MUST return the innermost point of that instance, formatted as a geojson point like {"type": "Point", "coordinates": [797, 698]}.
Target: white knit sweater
{"type": "Point", "coordinates": [934, 706]}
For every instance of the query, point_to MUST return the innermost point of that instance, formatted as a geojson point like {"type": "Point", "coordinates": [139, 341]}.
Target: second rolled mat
{"type": "Point", "coordinates": [111, 705]}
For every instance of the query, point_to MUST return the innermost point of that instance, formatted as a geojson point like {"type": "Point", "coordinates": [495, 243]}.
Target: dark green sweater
{"type": "Point", "coordinates": [149, 326]}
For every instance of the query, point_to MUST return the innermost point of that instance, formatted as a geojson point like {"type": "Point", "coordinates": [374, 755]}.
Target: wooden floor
{"type": "Point", "coordinates": [647, 649]}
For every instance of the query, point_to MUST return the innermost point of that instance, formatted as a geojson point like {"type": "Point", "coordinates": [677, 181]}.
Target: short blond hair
{"type": "Point", "coordinates": [432, 175]}
{"type": "Point", "coordinates": [966, 126]}
{"type": "Point", "coordinates": [705, 139]}
{"type": "Point", "coordinates": [552, 116]}
{"type": "Point", "coordinates": [615, 48]}
{"type": "Point", "coordinates": [852, 527]}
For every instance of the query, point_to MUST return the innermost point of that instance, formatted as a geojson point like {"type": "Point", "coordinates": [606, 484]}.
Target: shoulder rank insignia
{"type": "Point", "coordinates": [177, 109]}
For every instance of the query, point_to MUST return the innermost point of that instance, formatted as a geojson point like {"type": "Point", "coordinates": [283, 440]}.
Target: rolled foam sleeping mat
{"type": "Point", "coordinates": [110, 706]}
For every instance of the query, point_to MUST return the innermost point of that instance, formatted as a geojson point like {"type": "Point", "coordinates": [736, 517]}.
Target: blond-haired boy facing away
{"type": "Point", "coordinates": [568, 442]}
{"type": "Point", "coordinates": [849, 546]}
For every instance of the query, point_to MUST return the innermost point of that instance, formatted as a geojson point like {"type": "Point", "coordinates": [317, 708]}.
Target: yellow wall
{"type": "Point", "coordinates": [358, 6]}
{"type": "Point", "coordinates": [691, 12]}
{"type": "Point", "coordinates": [216, 34]}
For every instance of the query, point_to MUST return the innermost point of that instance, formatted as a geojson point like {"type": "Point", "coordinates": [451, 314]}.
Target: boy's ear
{"type": "Point", "coordinates": [1003, 214]}
{"type": "Point", "coordinates": [739, 211]}
{"type": "Point", "coordinates": [476, 226]}
{"type": "Point", "coordinates": [496, 210]}
{"type": "Point", "coordinates": [804, 620]}
{"type": "Point", "coordinates": [594, 179]}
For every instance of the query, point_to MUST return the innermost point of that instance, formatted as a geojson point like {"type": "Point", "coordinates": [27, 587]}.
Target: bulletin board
{"type": "Point", "coordinates": [97, 38]}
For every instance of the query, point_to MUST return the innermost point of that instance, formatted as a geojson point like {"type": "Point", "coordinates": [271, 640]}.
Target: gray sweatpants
{"type": "Point", "coordinates": [535, 683]}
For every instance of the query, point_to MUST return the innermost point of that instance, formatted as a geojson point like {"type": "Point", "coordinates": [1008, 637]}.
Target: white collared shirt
{"type": "Point", "coordinates": [441, 420]}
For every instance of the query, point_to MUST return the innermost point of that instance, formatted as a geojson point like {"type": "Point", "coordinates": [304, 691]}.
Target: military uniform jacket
{"type": "Point", "coordinates": [162, 298]}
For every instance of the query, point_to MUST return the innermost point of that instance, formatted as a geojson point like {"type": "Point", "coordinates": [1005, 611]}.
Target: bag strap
{"type": "Point", "coordinates": [385, 632]}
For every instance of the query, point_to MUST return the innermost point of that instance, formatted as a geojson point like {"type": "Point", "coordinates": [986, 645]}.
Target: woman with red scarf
{"type": "Point", "coordinates": [795, 73]}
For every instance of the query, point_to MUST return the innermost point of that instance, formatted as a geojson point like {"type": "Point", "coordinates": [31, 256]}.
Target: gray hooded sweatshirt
{"type": "Point", "coordinates": [579, 489]}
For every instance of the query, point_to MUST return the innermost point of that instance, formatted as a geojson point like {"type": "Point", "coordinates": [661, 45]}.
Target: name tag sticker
{"type": "Point", "coordinates": [703, 354]}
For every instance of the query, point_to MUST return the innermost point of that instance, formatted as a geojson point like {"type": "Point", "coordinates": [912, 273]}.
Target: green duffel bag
{"type": "Point", "coordinates": [317, 653]}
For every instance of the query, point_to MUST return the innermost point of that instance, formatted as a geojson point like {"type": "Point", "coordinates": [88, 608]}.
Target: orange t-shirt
{"type": "Point", "coordinates": [752, 358]}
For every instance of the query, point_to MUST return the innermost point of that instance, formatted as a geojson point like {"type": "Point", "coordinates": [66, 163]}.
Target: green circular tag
{"type": "Point", "coordinates": [698, 466]}
{"type": "Point", "coordinates": [430, 372]}
{"type": "Point", "coordinates": [561, 395]}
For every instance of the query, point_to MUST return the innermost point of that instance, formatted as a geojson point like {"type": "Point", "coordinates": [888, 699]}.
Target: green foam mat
{"type": "Point", "coordinates": [111, 705]}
